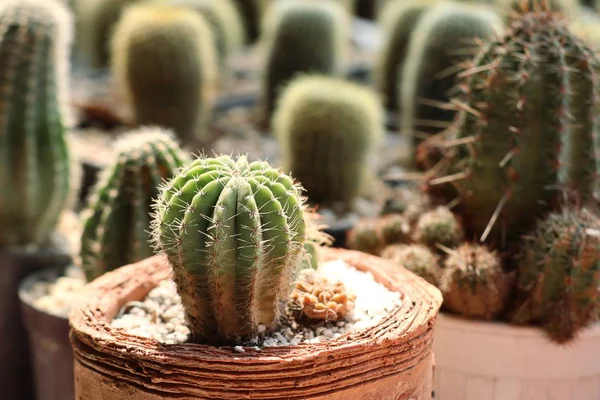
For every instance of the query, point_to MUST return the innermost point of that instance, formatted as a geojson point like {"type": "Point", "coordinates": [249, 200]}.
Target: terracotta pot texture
{"type": "Point", "coordinates": [51, 353]}
{"type": "Point", "coordinates": [16, 381]}
{"type": "Point", "coordinates": [392, 360]}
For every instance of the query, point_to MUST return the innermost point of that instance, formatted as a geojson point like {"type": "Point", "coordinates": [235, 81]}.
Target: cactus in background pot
{"type": "Point", "coordinates": [473, 282]}
{"type": "Point", "coordinates": [559, 273]}
{"type": "Point", "coordinates": [35, 170]}
{"type": "Point", "coordinates": [525, 94]}
{"type": "Point", "coordinates": [445, 36]}
{"type": "Point", "coordinates": [416, 258]}
{"type": "Point", "coordinates": [439, 227]}
{"type": "Point", "coordinates": [165, 59]}
{"type": "Point", "coordinates": [234, 232]}
{"type": "Point", "coordinates": [513, 8]}
{"type": "Point", "coordinates": [225, 21]}
{"type": "Point", "coordinates": [117, 219]}
{"type": "Point", "coordinates": [398, 21]}
{"type": "Point", "coordinates": [301, 37]}
{"type": "Point", "coordinates": [328, 128]}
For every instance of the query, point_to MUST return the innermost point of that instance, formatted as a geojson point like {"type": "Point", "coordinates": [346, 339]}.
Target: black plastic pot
{"type": "Point", "coordinates": [51, 353]}
{"type": "Point", "coordinates": [339, 233]}
{"type": "Point", "coordinates": [16, 375]}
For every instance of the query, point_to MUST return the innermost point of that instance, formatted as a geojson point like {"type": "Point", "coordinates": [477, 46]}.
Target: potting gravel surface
{"type": "Point", "coordinates": [56, 297]}
{"type": "Point", "coordinates": [160, 315]}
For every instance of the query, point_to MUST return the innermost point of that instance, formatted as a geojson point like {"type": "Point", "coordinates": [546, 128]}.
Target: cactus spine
{"type": "Point", "coordinates": [233, 231]}
{"type": "Point", "coordinates": [398, 22]}
{"type": "Point", "coordinates": [446, 36]}
{"type": "Point", "coordinates": [117, 220]}
{"type": "Point", "coordinates": [525, 93]}
{"type": "Point", "coordinates": [35, 39]}
{"type": "Point", "coordinates": [327, 129]}
{"type": "Point", "coordinates": [559, 274]}
{"type": "Point", "coordinates": [301, 37]}
{"type": "Point", "coordinates": [164, 57]}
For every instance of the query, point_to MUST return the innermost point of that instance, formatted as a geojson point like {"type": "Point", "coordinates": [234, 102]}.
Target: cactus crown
{"type": "Point", "coordinates": [165, 59]}
{"type": "Point", "coordinates": [35, 167]}
{"type": "Point", "coordinates": [327, 128]}
{"type": "Point", "coordinates": [559, 273]}
{"type": "Point", "coordinates": [117, 220]}
{"type": "Point", "coordinates": [233, 232]}
{"type": "Point", "coordinates": [301, 37]}
{"type": "Point", "coordinates": [524, 94]}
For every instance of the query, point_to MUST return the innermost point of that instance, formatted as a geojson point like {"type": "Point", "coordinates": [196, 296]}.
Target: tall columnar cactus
{"type": "Point", "coordinates": [446, 35]}
{"type": "Point", "coordinates": [35, 168]}
{"type": "Point", "coordinates": [301, 37]}
{"type": "Point", "coordinates": [96, 20]}
{"type": "Point", "coordinates": [164, 58]}
{"type": "Point", "coordinates": [559, 273]}
{"type": "Point", "coordinates": [398, 21]}
{"type": "Point", "coordinates": [117, 220]}
{"type": "Point", "coordinates": [328, 128]}
{"type": "Point", "coordinates": [525, 94]}
{"type": "Point", "coordinates": [224, 19]}
{"type": "Point", "coordinates": [233, 231]}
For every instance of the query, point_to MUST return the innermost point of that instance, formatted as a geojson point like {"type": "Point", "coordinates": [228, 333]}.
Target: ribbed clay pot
{"type": "Point", "coordinates": [392, 360]}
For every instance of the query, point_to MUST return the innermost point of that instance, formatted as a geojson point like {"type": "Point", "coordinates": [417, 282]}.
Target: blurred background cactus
{"type": "Point", "coordinates": [301, 37]}
{"type": "Point", "coordinates": [35, 169]}
{"type": "Point", "coordinates": [117, 220]}
{"type": "Point", "coordinates": [328, 129]}
{"type": "Point", "coordinates": [248, 236]}
{"type": "Point", "coordinates": [164, 58]}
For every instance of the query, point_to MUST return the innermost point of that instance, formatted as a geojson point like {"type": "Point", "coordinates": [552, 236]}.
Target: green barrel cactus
{"type": "Point", "coordinates": [96, 20]}
{"type": "Point", "coordinates": [328, 129]}
{"type": "Point", "coordinates": [164, 58]}
{"type": "Point", "coordinates": [365, 236]}
{"type": "Point", "coordinates": [439, 226]}
{"type": "Point", "coordinates": [398, 21]}
{"type": "Point", "coordinates": [119, 213]}
{"type": "Point", "coordinates": [233, 232]}
{"type": "Point", "coordinates": [474, 283]}
{"type": "Point", "coordinates": [446, 35]}
{"type": "Point", "coordinates": [530, 122]}
{"type": "Point", "coordinates": [225, 20]}
{"type": "Point", "coordinates": [301, 37]}
{"type": "Point", "coordinates": [417, 259]}
{"type": "Point", "coordinates": [35, 160]}
{"type": "Point", "coordinates": [513, 8]}
{"type": "Point", "coordinates": [559, 273]}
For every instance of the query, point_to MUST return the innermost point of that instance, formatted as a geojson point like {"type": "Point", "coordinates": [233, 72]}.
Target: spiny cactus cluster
{"type": "Point", "coordinates": [301, 37]}
{"type": "Point", "coordinates": [559, 273]}
{"type": "Point", "coordinates": [530, 123]}
{"type": "Point", "coordinates": [233, 232]}
{"type": "Point", "coordinates": [164, 58]}
{"type": "Point", "coordinates": [416, 258]}
{"type": "Point", "coordinates": [117, 220]}
{"type": "Point", "coordinates": [445, 36]}
{"type": "Point", "coordinates": [327, 129]}
{"type": "Point", "coordinates": [439, 227]}
{"type": "Point", "coordinates": [35, 169]}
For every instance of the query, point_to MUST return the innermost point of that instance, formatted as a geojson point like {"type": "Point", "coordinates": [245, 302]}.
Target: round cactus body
{"type": "Point", "coordinates": [416, 258]}
{"type": "Point", "coordinates": [394, 228]}
{"type": "Point", "coordinates": [164, 58]}
{"type": "Point", "coordinates": [439, 226]}
{"type": "Point", "coordinates": [366, 237]}
{"type": "Point", "coordinates": [233, 232]}
{"type": "Point", "coordinates": [35, 165]}
{"type": "Point", "coordinates": [559, 273]}
{"type": "Point", "coordinates": [474, 284]}
{"type": "Point", "coordinates": [119, 213]}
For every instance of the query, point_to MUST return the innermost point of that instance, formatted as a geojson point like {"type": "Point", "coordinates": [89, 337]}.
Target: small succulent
{"type": "Point", "coordinates": [117, 219]}
{"type": "Point", "coordinates": [474, 283]}
{"type": "Point", "coordinates": [439, 227]}
{"type": "Point", "coordinates": [234, 232]}
{"type": "Point", "coordinates": [416, 258]}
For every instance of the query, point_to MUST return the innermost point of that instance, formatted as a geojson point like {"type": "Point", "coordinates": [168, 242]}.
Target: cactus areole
{"type": "Point", "coordinates": [233, 232]}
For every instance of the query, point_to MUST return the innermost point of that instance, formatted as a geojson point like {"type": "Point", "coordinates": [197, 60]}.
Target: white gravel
{"type": "Point", "coordinates": [160, 315]}
{"type": "Point", "coordinates": [56, 297]}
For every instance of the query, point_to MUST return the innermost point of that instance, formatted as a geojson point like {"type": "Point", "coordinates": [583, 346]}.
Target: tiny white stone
{"type": "Point", "coordinates": [239, 349]}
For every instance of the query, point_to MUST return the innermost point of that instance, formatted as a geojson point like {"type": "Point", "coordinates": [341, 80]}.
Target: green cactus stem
{"type": "Point", "coordinates": [474, 284]}
{"type": "Point", "coordinates": [365, 236]}
{"type": "Point", "coordinates": [301, 37]}
{"type": "Point", "coordinates": [417, 259]}
{"type": "Point", "coordinates": [35, 169]}
{"type": "Point", "coordinates": [328, 129]}
{"type": "Point", "coordinates": [117, 219]}
{"type": "Point", "coordinates": [234, 232]}
{"type": "Point", "coordinates": [439, 227]}
{"type": "Point", "coordinates": [559, 273]}
{"type": "Point", "coordinates": [165, 60]}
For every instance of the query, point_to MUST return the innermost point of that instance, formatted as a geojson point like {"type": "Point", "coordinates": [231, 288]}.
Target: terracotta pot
{"type": "Point", "coordinates": [52, 356]}
{"type": "Point", "coordinates": [392, 360]}
{"type": "Point", "coordinates": [16, 381]}
{"type": "Point", "coordinates": [478, 360]}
